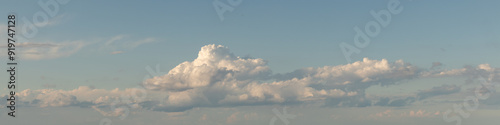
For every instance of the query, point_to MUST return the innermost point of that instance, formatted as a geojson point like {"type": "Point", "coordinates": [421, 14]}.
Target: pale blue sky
{"type": "Point", "coordinates": [289, 35]}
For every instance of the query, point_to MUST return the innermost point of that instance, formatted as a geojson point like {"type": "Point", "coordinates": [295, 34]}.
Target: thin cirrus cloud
{"type": "Point", "coordinates": [412, 113]}
{"type": "Point", "coordinates": [218, 78]}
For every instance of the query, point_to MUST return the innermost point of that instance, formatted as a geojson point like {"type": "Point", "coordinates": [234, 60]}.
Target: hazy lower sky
{"type": "Point", "coordinates": [217, 62]}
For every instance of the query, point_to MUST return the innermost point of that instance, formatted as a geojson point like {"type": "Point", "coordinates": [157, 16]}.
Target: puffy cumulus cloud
{"type": "Point", "coordinates": [219, 78]}
{"type": "Point", "coordinates": [215, 64]}
{"type": "Point", "coordinates": [3, 32]}
{"type": "Point", "coordinates": [481, 74]}
{"type": "Point", "coordinates": [114, 113]}
{"type": "Point", "coordinates": [42, 50]}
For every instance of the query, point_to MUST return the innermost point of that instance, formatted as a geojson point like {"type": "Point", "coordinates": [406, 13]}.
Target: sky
{"type": "Point", "coordinates": [219, 62]}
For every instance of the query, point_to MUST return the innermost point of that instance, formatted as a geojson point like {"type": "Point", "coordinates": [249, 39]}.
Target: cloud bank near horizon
{"type": "Point", "coordinates": [218, 78]}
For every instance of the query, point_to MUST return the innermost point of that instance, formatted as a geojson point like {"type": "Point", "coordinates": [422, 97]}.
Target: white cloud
{"type": "Point", "coordinates": [117, 112]}
{"type": "Point", "coordinates": [45, 50]}
{"type": "Point", "coordinates": [204, 117]}
{"type": "Point", "coordinates": [48, 50]}
{"type": "Point", "coordinates": [218, 78]}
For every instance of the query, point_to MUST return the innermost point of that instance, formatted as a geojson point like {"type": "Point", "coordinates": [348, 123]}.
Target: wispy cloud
{"type": "Point", "coordinates": [47, 50]}
{"type": "Point", "coordinates": [120, 43]}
